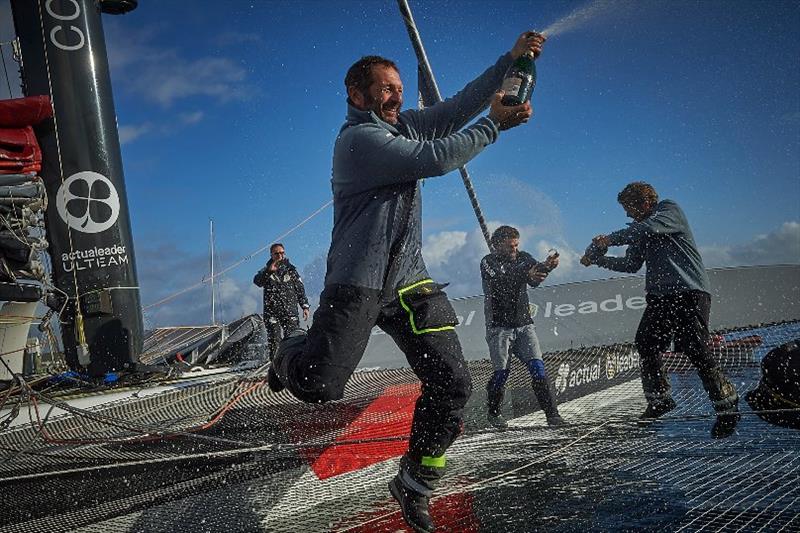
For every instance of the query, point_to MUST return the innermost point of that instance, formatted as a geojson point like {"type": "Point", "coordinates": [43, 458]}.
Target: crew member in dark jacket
{"type": "Point", "coordinates": [376, 275]}
{"type": "Point", "coordinates": [283, 292]}
{"type": "Point", "coordinates": [506, 274]}
{"type": "Point", "coordinates": [678, 300]}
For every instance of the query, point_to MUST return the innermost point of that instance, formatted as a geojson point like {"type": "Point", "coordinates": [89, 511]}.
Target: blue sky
{"type": "Point", "coordinates": [229, 110]}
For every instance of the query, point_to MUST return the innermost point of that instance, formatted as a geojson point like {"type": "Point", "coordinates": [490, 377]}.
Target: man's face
{"type": "Point", "coordinates": [638, 211]}
{"type": "Point", "coordinates": [278, 254]}
{"type": "Point", "coordinates": [508, 248]}
{"type": "Point", "coordinates": [384, 96]}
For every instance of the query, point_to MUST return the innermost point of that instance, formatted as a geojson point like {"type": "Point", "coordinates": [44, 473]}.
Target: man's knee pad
{"type": "Point", "coordinates": [289, 349]}
{"type": "Point", "coordinates": [498, 380]}
{"type": "Point", "coordinates": [323, 394]}
{"type": "Point", "coordinates": [536, 368]}
{"type": "Point", "coordinates": [297, 376]}
{"type": "Point", "coordinates": [313, 391]}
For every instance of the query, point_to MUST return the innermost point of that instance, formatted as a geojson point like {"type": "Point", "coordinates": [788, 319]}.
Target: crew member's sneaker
{"type": "Point", "coordinates": [658, 409]}
{"type": "Point", "coordinates": [556, 421]}
{"type": "Point", "coordinates": [497, 420]}
{"type": "Point", "coordinates": [725, 425]}
{"type": "Point", "coordinates": [413, 505]}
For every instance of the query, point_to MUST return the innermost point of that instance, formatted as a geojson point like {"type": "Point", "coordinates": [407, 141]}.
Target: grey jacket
{"type": "Point", "coordinates": [377, 205]}
{"type": "Point", "coordinates": [664, 241]}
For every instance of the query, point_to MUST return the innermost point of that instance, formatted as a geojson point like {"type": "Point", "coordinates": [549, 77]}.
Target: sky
{"type": "Point", "coordinates": [228, 111]}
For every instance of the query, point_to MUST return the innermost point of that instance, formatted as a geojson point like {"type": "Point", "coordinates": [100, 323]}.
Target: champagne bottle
{"type": "Point", "coordinates": [545, 266]}
{"type": "Point", "coordinates": [519, 81]}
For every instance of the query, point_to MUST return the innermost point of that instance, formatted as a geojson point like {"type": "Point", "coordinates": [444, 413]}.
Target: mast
{"type": "Point", "coordinates": [88, 226]}
{"type": "Point", "coordinates": [429, 94]}
{"type": "Point", "coordinates": [213, 292]}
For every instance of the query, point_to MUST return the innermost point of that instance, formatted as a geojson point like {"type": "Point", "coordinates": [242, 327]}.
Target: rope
{"type": "Point", "coordinates": [5, 70]}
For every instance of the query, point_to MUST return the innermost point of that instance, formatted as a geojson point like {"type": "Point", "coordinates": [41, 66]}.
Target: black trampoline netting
{"type": "Point", "coordinates": [222, 452]}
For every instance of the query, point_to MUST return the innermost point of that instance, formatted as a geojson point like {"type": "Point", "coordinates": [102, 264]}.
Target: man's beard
{"type": "Point", "coordinates": [375, 105]}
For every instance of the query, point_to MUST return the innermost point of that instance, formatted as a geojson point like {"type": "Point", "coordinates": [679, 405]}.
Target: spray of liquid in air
{"type": "Point", "coordinates": [585, 15]}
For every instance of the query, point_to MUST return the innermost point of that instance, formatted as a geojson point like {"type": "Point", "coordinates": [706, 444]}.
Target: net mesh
{"type": "Point", "coordinates": [223, 452]}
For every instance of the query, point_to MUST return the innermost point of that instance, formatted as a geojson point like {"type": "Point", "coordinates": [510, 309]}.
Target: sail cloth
{"type": "Point", "coordinates": [21, 112]}
{"type": "Point", "coordinates": [19, 149]}
{"type": "Point", "coordinates": [22, 193]}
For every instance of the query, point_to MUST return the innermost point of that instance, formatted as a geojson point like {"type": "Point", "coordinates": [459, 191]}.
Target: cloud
{"type": "Point", "coordinates": [235, 301]}
{"type": "Point", "coordinates": [231, 38]}
{"type": "Point", "coordinates": [130, 133]}
{"type": "Point", "coordinates": [779, 246]}
{"type": "Point", "coordinates": [792, 118]}
{"type": "Point", "coordinates": [175, 290]}
{"type": "Point", "coordinates": [439, 247]}
{"type": "Point", "coordinates": [167, 75]}
{"type": "Point", "coordinates": [165, 269]}
{"type": "Point", "coordinates": [217, 77]}
{"type": "Point", "coordinates": [454, 255]}
{"type": "Point", "coordinates": [192, 118]}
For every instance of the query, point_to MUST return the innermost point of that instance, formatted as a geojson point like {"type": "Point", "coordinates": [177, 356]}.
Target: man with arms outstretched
{"type": "Point", "coordinates": [376, 274]}
{"type": "Point", "coordinates": [678, 300]}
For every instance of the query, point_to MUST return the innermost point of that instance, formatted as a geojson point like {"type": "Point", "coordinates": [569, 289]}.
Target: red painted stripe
{"type": "Point", "coordinates": [389, 415]}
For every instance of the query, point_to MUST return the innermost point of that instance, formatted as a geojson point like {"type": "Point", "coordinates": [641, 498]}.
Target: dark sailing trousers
{"type": "Point", "coordinates": [421, 321]}
{"type": "Point", "coordinates": [682, 317]}
{"type": "Point", "coordinates": [277, 327]}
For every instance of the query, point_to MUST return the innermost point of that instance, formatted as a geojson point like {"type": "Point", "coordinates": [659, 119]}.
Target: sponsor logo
{"type": "Point", "coordinates": [569, 377]}
{"type": "Point", "coordinates": [562, 379]}
{"type": "Point", "coordinates": [616, 364]}
{"type": "Point", "coordinates": [84, 195]}
{"type": "Point", "coordinates": [587, 307]}
{"type": "Point", "coordinates": [94, 258]}
{"type": "Point", "coordinates": [67, 37]}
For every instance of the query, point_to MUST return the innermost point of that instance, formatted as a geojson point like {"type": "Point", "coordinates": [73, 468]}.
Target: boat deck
{"type": "Point", "coordinates": [222, 452]}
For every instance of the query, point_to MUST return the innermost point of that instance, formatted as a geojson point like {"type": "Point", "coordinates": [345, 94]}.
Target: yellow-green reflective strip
{"type": "Point", "coordinates": [405, 306]}
{"type": "Point", "coordinates": [436, 462]}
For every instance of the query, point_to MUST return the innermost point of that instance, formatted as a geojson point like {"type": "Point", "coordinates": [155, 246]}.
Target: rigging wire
{"type": "Point", "coordinates": [5, 70]}
{"type": "Point", "coordinates": [208, 279]}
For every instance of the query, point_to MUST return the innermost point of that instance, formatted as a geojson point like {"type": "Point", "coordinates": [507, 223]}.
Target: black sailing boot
{"type": "Point", "coordinates": [412, 487]}
{"type": "Point", "coordinates": [494, 403]}
{"type": "Point", "coordinates": [541, 389]}
{"type": "Point", "coordinates": [727, 413]}
{"type": "Point", "coordinates": [657, 408]}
